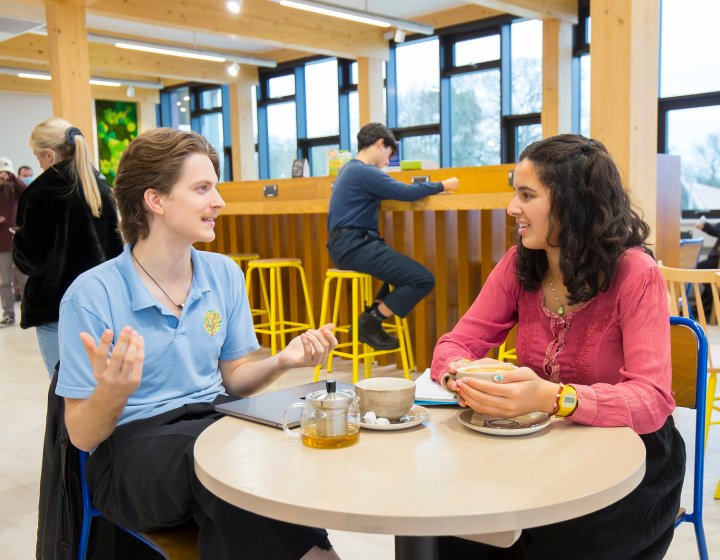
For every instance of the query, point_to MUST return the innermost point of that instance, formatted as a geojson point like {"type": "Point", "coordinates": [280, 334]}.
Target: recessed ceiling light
{"type": "Point", "coordinates": [234, 7]}
{"type": "Point", "coordinates": [233, 69]}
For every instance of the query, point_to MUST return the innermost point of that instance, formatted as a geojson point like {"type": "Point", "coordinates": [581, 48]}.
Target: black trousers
{"type": "Point", "coordinates": [143, 478]}
{"type": "Point", "coordinates": [364, 251]}
{"type": "Point", "coordinates": [638, 527]}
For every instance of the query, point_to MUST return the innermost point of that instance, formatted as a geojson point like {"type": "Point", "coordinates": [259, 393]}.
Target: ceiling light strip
{"type": "Point", "coordinates": [113, 82]}
{"type": "Point", "coordinates": [211, 56]}
{"type": "Point", "coordinates": [357, 15]}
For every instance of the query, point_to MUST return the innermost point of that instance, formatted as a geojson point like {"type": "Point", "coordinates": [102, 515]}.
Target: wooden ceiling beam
{"type": "Point", "coordinates": [456, 16]}
{"type": "Point", "coordinates": [565, 10]}
{"type": "Point", "coordinates": [107, 60]}
{"type": "Point", "coordinates": [260, 20]}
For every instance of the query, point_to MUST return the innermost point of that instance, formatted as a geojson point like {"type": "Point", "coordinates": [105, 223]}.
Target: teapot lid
{"type": "Point", "coordinates": [330, 397]}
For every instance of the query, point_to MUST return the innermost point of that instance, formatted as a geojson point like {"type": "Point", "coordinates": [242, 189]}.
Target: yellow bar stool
{"type": "Point", "coordinates": [241, 259]}
{"type": "Point", "coordinates": [269, 273]}
{"type": "Point", "coordinates": [360, 286]}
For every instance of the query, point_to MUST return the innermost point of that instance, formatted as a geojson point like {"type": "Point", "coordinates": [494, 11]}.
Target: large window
{"type": "Point", "coordinates": [469, 95]}
{"type": "Point", "coordinates": [282, 138]}
{"type": "Point", "coordinates": [418, 83]}
{"type": "Point", "coordinates": [321, 87]}
{"type": "Point", "coordinates": [526, 64]}
{"type": "Point", "coordinates": [475, 118]}
{"type": "Point", "coordinates": [689, 104]}
{"type": "Point", "coordinates": [202, 108]}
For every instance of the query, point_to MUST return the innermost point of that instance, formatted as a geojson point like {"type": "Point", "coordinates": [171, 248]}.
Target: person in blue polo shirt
{"type": "Point", "coordinates": [150, 341]}
{"type": "Point", "coordinates": [355, 244]}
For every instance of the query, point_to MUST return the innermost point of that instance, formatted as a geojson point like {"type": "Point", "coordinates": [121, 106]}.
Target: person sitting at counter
{"type": "Point", "coordinates": [593, 341]}
{"type": "Point", "coordinates": [355, 243]}
{"type": "Point", "coordinates": [152, 339]}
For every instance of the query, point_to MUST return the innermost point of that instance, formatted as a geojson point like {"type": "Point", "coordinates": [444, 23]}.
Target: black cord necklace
{"type": "Point", "coordinates": [178, 305]}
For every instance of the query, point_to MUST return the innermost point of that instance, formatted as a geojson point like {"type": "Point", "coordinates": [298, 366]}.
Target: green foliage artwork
{"type": "Point", "coordinates": [116, 127]}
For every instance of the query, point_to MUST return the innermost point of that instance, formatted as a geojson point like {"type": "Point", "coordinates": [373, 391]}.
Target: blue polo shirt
{"type": "Point", "coordinates": [181, 355]}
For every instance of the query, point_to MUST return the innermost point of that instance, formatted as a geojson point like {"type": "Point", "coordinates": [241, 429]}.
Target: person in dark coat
{"type": "Point", "coordinates": [10, 190]}
{"type": "Point", "coordinates": [67, 223]}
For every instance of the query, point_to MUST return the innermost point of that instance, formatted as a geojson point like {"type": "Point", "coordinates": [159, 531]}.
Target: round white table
{"type": "Point", "coordinates": [438, 478]}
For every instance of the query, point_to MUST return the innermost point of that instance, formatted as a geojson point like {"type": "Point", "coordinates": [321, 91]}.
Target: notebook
{"type": "Point", "coordinates": [269, 408]}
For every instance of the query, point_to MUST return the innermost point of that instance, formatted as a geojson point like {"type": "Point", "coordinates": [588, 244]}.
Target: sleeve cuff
{"type": "Point", "coordinates": [586, 411]}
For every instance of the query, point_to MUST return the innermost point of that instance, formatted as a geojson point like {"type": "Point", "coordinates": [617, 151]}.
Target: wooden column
{"type": "Point", "coordinates": [243, 145]}
{"type": "Point", "coordinates": [623, 98]}
{"type": "Point", "coordinates": [147, 114]}
{"type": "Point", "coordinates": [370, 90]}
{"type": "Point", "coordinates": [557, 77]}
{"type": "Point", "coordinates": [69, 64]}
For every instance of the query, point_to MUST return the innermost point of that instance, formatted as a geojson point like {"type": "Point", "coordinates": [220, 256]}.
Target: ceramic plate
{"type": "Point", "coordinates": [520, 425]}
{"type": "Point", "coordinates": [417, 415]}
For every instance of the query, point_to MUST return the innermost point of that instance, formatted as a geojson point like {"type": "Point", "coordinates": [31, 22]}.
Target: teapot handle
{"type": "Point", "coordinates": [295, 433]}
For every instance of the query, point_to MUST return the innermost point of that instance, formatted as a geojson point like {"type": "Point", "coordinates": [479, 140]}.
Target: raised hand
{"type": "Point", "coordinates": [311, 348]}
{"type": "Point", "coordinates": [118, 375]}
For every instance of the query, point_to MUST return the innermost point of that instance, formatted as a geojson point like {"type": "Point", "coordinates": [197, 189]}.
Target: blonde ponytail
{"type": "Point", "coordinates": [67, 142]}
{"type": "Point", "coordinates": [85, 173]}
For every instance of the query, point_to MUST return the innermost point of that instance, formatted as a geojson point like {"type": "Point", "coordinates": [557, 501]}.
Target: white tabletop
{"type": "Point", "coordinates": [438, 478]}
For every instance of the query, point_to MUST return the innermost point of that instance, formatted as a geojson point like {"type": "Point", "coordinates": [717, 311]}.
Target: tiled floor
{"type": "Point", "coordinates": [23, 382]}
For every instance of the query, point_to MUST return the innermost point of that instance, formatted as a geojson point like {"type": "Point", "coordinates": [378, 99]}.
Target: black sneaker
{"type": "Point", "coordinates": [7, 321]}
{"type": "Point", "coordinates": [370, 331]}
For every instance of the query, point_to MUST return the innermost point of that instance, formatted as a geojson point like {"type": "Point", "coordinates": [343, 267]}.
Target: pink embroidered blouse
{"type": "Point", "coordinates": [614, 349]}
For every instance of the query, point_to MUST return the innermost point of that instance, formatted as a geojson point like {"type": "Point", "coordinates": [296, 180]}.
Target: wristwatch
{"type": "Point", "coordinates": [567, 401]}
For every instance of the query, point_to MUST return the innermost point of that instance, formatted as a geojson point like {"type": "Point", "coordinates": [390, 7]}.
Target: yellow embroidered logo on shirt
{"type": "Point", "coordinates": [212, 322]}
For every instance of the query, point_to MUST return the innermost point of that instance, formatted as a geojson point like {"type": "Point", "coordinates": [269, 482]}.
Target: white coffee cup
{"type": "Point", "coordinates": [484, 372]}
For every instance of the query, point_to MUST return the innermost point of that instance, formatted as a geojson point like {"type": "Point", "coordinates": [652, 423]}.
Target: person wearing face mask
{"type": "Point", "coordinates": [25, 174]}
{"type": "Point", "coordinates": [10, 189]}
{"type": "Point", "coordinates": [355, 243]}
{"type": "Point", "coordinates": [67, 223]}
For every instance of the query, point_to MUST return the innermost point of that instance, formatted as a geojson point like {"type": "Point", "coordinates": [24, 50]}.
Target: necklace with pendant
{"type": "Point", "coordinates": [560, 309]}
{"type": "Point", "coordinates": [178, 305]}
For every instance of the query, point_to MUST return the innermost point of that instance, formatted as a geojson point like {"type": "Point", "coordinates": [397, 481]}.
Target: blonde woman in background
{"type": "Point", "coordinates": [67, 223]}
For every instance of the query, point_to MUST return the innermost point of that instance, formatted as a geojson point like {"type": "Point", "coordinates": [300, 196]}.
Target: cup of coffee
{"type": "Point", "coordinates": [387, 397]}
{"type": "Point", "coordinates": [484, 372]}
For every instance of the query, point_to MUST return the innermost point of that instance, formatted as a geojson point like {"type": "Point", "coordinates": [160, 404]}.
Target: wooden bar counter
{"type": "Point", "coordinates": [459, 237]}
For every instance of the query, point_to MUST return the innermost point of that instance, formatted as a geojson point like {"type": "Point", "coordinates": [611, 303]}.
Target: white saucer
{"type": "Point", "coordinates": [417, 415]}
{"type": "Point", "coordinates": [518, 426]}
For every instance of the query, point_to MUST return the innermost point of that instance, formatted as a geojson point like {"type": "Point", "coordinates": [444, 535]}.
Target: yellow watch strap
{"type": "Point", "coordinates": [567, 401]}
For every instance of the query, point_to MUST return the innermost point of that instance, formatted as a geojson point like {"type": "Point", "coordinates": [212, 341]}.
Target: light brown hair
{"type": "Point", "coordinates": [153, 160]}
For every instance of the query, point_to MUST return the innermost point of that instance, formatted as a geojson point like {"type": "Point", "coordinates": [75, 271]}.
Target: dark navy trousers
{"type": "Point", "coordinates": [143, 477]}
{"type": "Point", "coordinates": [365, 251]}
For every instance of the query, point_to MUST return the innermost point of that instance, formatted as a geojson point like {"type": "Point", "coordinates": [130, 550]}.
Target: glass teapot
{"type": "Point", "coordinates": [330, 418]}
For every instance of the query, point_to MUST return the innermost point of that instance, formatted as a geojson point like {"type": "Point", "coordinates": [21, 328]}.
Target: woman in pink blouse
{"type": "Point", "coordinates": [593, 343]}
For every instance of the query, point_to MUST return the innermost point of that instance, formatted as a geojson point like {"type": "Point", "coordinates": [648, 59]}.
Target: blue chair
{"type": "Point", "coordinates": [689, 351]}
{"type": "Point", "coordinates": [89, 512]}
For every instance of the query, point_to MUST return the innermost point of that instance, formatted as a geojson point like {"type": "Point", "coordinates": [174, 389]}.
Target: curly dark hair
{"type": "Point", "coordinates": [592, 210]}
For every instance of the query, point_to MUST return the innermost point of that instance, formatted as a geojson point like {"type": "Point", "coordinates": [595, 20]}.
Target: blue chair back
{"type": "Point", "coordinates": [689, 349]}
{"type": "Point", "coordinates": [89, 512]}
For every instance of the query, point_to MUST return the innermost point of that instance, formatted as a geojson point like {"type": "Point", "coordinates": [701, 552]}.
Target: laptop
{"type": "Point", "coordinates": [269, 408]}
